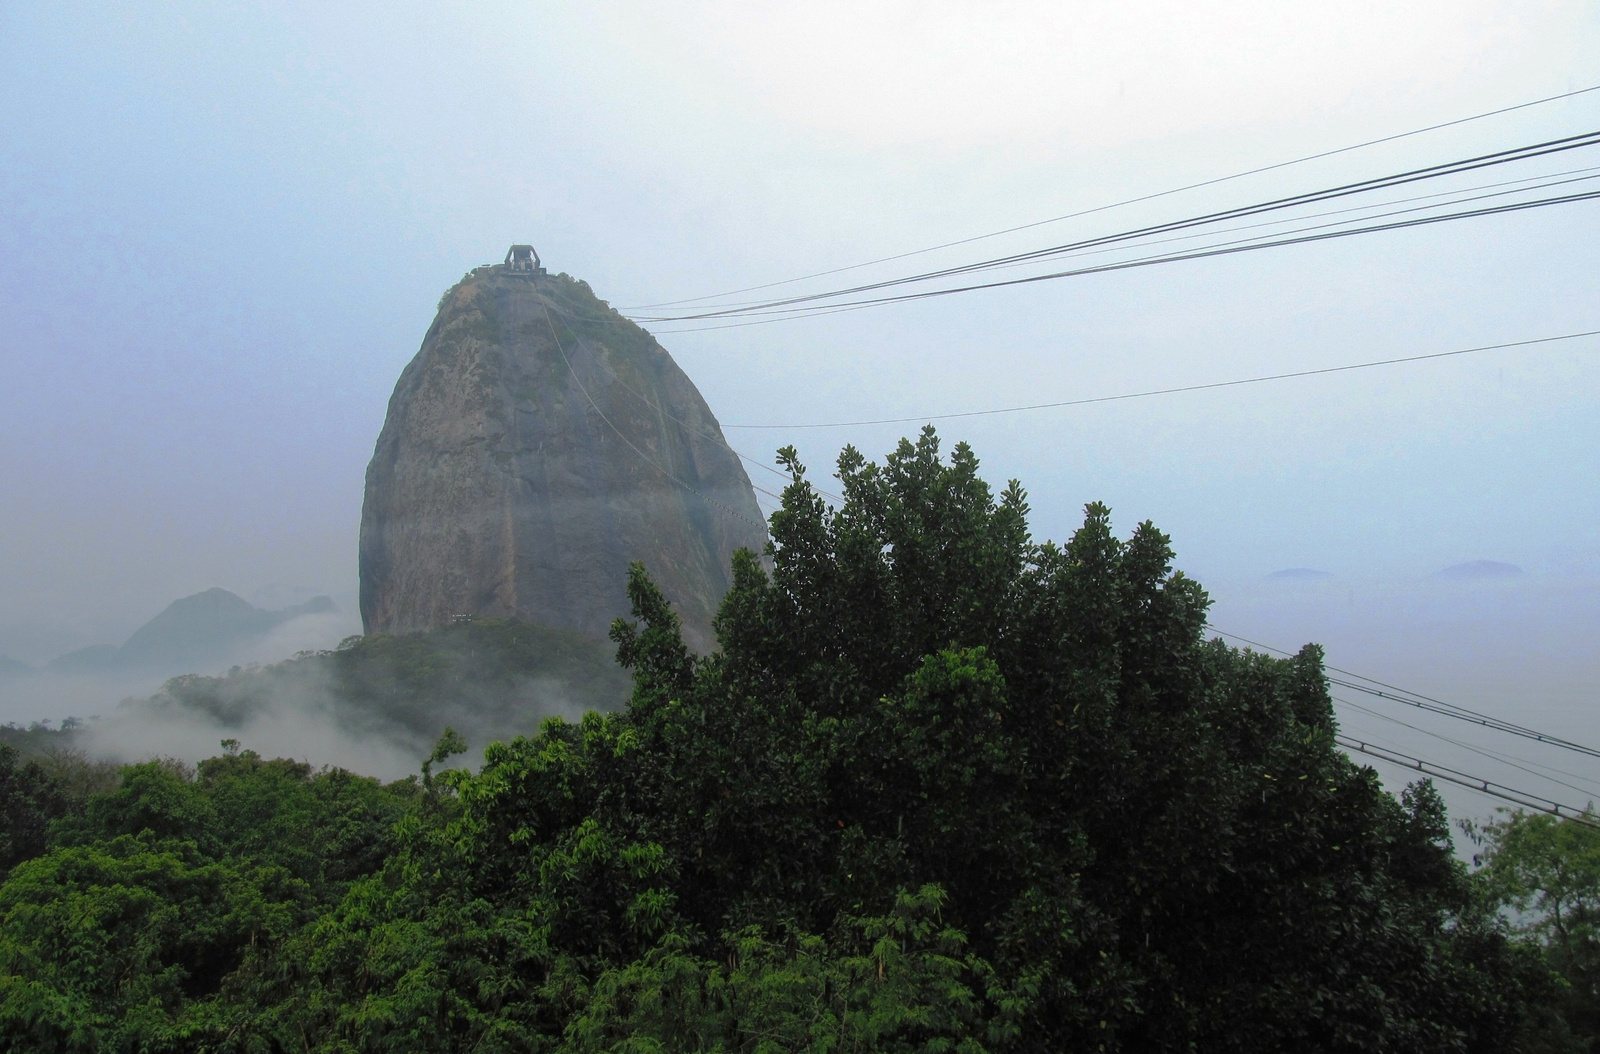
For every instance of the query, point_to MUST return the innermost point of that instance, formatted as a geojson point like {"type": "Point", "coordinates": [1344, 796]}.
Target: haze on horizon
{"type": "Point", "coordinates": [223, 232]}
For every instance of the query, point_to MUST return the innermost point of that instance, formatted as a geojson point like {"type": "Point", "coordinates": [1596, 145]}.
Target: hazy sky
{"type": "Point", "coordinates": [224, 229]}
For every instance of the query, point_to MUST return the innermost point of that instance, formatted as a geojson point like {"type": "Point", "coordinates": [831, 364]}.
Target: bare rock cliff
{"type": "Point", "coordinates": [537, 444]}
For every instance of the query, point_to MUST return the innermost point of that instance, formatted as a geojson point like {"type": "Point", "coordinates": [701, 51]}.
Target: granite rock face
{"type": "Point", "coordinates": [537, 444]}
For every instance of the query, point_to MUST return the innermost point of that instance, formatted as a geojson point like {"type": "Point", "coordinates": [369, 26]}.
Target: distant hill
{"type": "Point", "coordinates": [206, 628]}
{"type": "Point", "coordinates": [1299, 574]}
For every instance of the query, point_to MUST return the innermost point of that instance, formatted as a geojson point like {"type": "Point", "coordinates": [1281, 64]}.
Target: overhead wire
{"type": "Point", "coordinates": [1136, 200]}
{"type": "Point", "coordinates": [780, 314]}
{"type": "Point", "coordinates": [1458, 196]}
{"type": "Point", "coordinates": [1089, 401]}
{"type": "Point", "coordinates": [1532, 768]}
{"type": "Point", "coordinates": [1435, 171]}
{"type": "Point", "coordinates": [1111, 243]}
{"type": "Point", "coordinates": [861, 305]}
{"type": "Point", "coordinates": [1526, 800]}
{"type": "Point", "coordinates": [1462, 713]}
{"type": "Point", "coordinates": [1364, 186]}
{"type": "Point", "coordinates": [1471, 717]}
{"type": "Point", "coordinates": [1428, 703]}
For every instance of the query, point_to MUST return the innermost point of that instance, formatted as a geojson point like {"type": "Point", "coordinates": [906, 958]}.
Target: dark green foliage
{"type": "Point", "coordinates": [1548, 871]}
{"type": "Point", "coordinates": [324, 828]}
{"type": "Point", "coordinates": [39, 789]}
{"type": "Point", "coordinates": [942, 789]}
{"type": "Point", "coordinates": [124, 945]}
{"type": "Point", "coordinates": [168, 897]}
{"type": "Point", "coordinates": [1139, 839]}
{"type": "Point", "coordinates": [29, 800]}
{"type": "Point", "coordinates": [39, 737]}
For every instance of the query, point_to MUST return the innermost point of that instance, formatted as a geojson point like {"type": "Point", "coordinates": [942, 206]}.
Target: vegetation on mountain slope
{"type": "Point", "coordinates": [486, 677]}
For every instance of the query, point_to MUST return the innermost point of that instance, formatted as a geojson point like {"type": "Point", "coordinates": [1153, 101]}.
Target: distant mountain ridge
{"type": "Point", "coordinates": [191, 632]}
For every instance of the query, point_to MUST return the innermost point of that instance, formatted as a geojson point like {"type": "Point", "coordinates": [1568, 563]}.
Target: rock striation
{"type": "Point", "coordinates": [537, 444]}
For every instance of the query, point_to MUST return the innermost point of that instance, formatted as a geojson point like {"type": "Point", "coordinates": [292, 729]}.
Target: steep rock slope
{"type": "Point", "coordinates": [537, 444]}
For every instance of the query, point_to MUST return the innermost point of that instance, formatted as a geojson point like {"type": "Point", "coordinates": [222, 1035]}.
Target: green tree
{"type": "Point", "coordinates": [29, 800]}
{"type": "Point", "coordinates": [125, 945]}
{"type": "Point", "coordinates": [154, 920]}
{"type": "Point", "coordinates": [1135, 838]}
{"type": "Point", "coordinates": [1547, 871]}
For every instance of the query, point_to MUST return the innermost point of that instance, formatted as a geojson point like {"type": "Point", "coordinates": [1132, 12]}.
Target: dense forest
{"type": "Point", "coordinates": [941, 788]}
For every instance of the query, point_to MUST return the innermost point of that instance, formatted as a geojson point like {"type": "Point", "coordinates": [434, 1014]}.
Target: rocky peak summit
{"type": "Point", "coordinates": [537, 444]}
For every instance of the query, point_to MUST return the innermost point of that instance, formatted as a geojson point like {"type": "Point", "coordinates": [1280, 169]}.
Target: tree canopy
{"type": "Point", "coordinates": [941, 788]}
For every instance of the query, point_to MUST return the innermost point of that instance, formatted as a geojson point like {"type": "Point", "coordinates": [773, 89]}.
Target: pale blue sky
{"type": "Point", "coordinates": [224, 227]}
